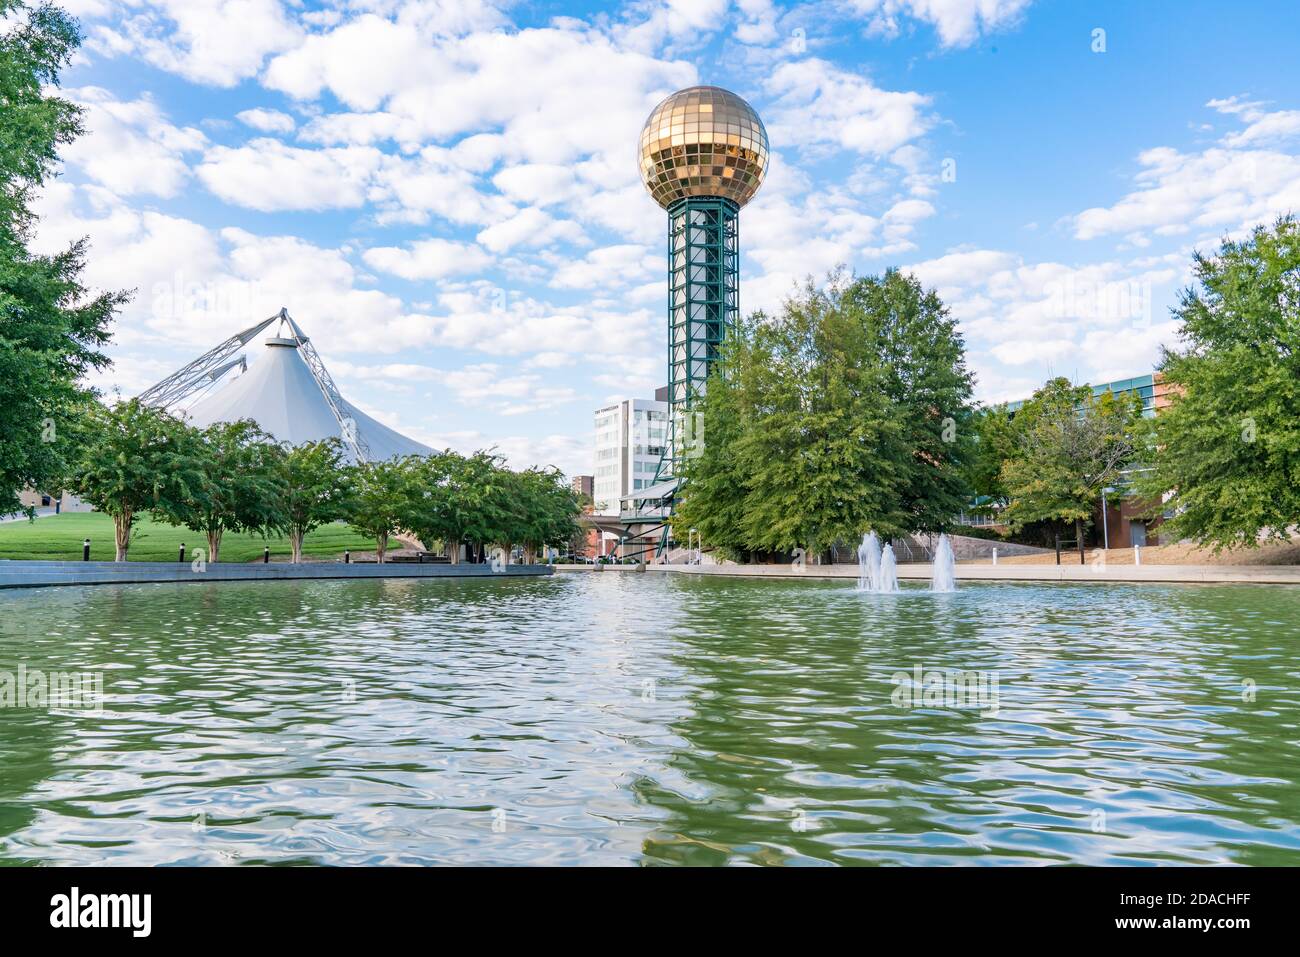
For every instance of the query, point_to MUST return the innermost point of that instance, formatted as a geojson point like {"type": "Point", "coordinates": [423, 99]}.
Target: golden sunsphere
{"type": "Point", "coordinates": [703, 141]}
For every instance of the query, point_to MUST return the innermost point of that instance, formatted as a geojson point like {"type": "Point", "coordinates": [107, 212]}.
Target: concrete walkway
{"type": "Point", "coordinates": [1258, 574]}
{"type": "Point", "coordinates": [22, 516]}
{"type": "Point", "coordinates": [24, 574]}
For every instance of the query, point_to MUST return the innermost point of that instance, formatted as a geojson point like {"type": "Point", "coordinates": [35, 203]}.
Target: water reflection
{"type": "Point", "coordinates": [1119, 739]}
{"type": "Point", "coordinates": [652, 719]}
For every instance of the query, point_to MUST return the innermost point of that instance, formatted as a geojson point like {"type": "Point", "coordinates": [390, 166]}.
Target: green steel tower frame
{"type": "Point", "coordinates": [703, 155]}
{"type": "Point", "coordinates": [703, 305]}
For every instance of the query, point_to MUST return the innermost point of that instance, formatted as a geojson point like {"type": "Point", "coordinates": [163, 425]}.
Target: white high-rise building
{"type": "Point", "coordinates": [630, 438]}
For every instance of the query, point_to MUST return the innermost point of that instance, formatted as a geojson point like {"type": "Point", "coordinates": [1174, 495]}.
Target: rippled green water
{"type": "Point", "coordinates": [644, 719]}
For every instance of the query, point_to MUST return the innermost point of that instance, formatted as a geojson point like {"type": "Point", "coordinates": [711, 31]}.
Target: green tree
{"type": "Point", "coordinates": [51, 328]}
{"type": "Point", "coordinates": [716, 487]}
{"type": "Point", "coordinates": [379, 503]}
{"type": "Point", "coordinates": [996, 440]}
{"type": "Point", "coordinates": [1227, 450]}
{"type": "Point", "coordinates": [425, 507]}
{"type": "Point", "coordinates": [479, 508]}
{"type": "Point", "coordinates": [840, 415]}
{"type": "Point", "coordinates": [132, 458]}
{"type": "Point", "coordinates": [546, 511]}
{"type": "Point", "coordinates": [910, 335]}
{"type": "Point", "coordinates": [240, 488]}
{"type": "Point", "coordinates": [1071, 445]}
{"type": "Point", "coordinates": [317, 489]}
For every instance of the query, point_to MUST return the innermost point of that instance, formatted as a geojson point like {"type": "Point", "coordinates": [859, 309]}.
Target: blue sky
{"type": "Point", "coordinates": [445, 193]}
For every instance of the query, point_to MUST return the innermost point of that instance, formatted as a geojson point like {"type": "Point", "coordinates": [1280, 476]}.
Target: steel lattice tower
{"type": "Point", "coordinates": [704, 152]}
{"type": "Point", "coordinates": [703, 303]}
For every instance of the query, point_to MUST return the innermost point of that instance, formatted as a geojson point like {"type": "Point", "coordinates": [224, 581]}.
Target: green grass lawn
{"type": "Point", "coordinates": [59, 537]}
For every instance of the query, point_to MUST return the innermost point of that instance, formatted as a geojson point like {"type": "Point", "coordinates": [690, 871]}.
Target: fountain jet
{"type": "Point", "coordinates": [888, 579]}
{"type": "Point", "coordinates": [869, 562]}
{"type": "Point", "coordinates": [944, 577]}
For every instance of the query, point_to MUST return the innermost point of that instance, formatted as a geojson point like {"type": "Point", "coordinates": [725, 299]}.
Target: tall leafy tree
{"type": "Point", "coordinates": [1071, 445]}
{"type": "Point", "coordinates": [317, 489]}
{"type": "Point", "coordinates": [839, 415]}
{"type": "Point", "coordinates": [51, 327]}
{"type": "Point", "coordinates": [716, 487]}
{"type": "Point", "coordinates": [130, 459]}
{"type": "Point", "coordinates": [240, 488]}
{"type": "Point", "coordinates": [996, 440]}
{"type": "Point", "coordinates": [910, 333]}
{"type": "Point", "coordinates": [1227, 451]}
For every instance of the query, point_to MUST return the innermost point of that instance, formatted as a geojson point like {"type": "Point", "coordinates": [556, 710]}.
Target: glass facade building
{"type": "Point", "coordinates": [1148, 388]}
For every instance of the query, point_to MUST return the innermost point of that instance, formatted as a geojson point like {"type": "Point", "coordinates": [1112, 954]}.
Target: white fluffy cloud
{"type": "Point", "coordinates": [819, 103]}
{"type": "Point", "coordinates": [541, 184]}
{"type": "Point", "coordinates": [507, 392]}
{"type": "Point", "coordinates": [1095, 321]}
{"type": "Point", "coordinates": [130, 147]}
{"type": "Point", "coordinates": [267, 175]}
{"type": "Point", "coordinates": [619, 265]}
{"type": "Point", "coordinates": [958, 22]}
{"type": "Point", "coordinates": [1230, 185]}
{"type": "Point", "coordinates": [435, 184]}
{"type": "Point", "coordinates": [216, 42]}
{"type": "Point", "coordinates": [530, 227]}
{"type": "Point", "coordinates": [267, 121]}
{"type": "Point", "coordinates": [428, 259]}
{"type": "Point", "coordinates": [1262, 126]}
{"type": "Point", "coordinates": [797, 237]}
{"type": "Point", "coordinates": [491, 320]}
{"type": "Point", "coordinates": [533, 86]}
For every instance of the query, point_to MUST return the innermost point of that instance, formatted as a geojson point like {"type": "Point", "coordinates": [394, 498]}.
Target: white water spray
{"type": "Point", "coordinates": [869, 562]}
{"type": "Point", "coordinates": [888, 578]}
{"type": "Point", "coordinates": [945, 567]}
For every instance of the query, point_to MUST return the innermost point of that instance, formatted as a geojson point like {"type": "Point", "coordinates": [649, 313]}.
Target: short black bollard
{"type": "Point", "coordinates": [266, 555]}
{"type": "Point", "coordinates": [1058, 549]}
{"type": "Point", "coordinates": [181, 558]}
{"type": "Point", "coordinates": [85, 550]}
{"type": "Point", "coordinates": [347, 557]}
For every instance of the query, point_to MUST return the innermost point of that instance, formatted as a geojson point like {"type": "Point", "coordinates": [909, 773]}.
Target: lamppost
{"type": "Point", "coordinates": [1105, 525]}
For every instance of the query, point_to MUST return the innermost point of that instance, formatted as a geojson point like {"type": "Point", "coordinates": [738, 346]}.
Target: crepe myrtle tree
{"type": "Point", "coordinates": [379, 499]}
{"type": "Point", "coordinates": [425, 506]}
{"type": "Point", "coordinates": [477, 501]}
{"type": "Point", "coordinates": [317, 489]}
{"type": "Point", "coordinates": [457, 499]}
{"type": "Point", "coordinates": [240, 486]}
{"type": "Point", "coordinates": [131, 458]}
{"type": "Point", "coordinates": [545, 512]}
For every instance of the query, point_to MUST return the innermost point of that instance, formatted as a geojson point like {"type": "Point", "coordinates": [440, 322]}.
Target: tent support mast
{"type": "Point", "coordinates": [203, 371]}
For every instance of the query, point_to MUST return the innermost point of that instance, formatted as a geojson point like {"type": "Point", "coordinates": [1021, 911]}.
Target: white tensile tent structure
{"type": "Point", "coordinates": [287, 392]}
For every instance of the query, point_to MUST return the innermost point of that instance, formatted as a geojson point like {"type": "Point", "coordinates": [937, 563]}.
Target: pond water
{"type": "Point", "coordinates": [654, 719]}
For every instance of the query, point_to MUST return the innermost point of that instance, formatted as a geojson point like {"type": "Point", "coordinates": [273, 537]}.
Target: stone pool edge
{"type": "Point", "coordinates": [44, 574]}
{"type": "Point", "coordinates": [1191, 574]}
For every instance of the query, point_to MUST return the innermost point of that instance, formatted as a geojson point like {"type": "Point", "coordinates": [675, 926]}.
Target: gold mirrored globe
{"type": "Point", "coordinates": [703, 141]}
